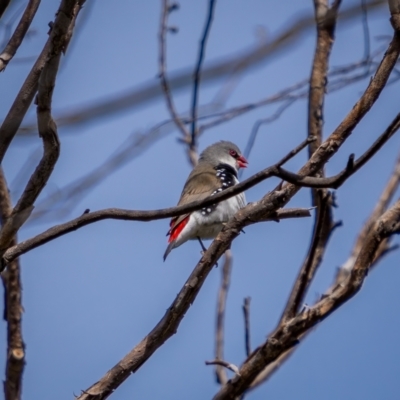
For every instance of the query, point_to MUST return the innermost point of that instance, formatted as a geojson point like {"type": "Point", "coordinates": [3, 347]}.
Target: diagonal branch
{"type": "Point", "coordinates": [92, 217]}
{"type": "Point", "coordinates": [343, 273]}
{"type": "Point", "coordinates": [28, 90]}
{"type": "Point", "coordinates": [252, 213]}
{"type": "Point", "coordinates": [18, 36]}
{"type": "Point", "coordinates": [352, 166]}
{"type": "Point", "coordinates": [324, 153]}
{"type": "Point", "coordinates": [59, 38]}
{"type": "Point", "coordinates": [286, 335]}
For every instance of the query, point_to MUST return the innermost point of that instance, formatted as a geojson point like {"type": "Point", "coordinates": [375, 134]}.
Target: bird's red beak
{"type": "Point", "coordinates": [242, 162]}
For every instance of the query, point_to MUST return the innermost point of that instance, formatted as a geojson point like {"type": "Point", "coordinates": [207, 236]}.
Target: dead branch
{"type": "Point", "coordinates": [28, 90]}
{"type": "Point", "coordinates": [196, 80]}
{"type": "Point", "coordinates": [352, 167]}
{"type": "Point", "coordinates": [246, 316]}
{"type": "Point", "coordinates": [311, 263]}
{"type": "Point", "coordinates": [12, 310]}
{"type": "Point", "coordinates": [166, 9]}
{"type": "Point", "coordinates": [225, 364]}
{"type": "Point", "coordinates": [238, 63]}
{"type": "Point", "coordinates": [286, 336]}
{"type": "Point", "coordinates": [114, 213]}
{"type": "Point", "coordinates": [221, 307]}
{"type": "Point", "coordinates": [59, 38]}
{"type": "Point", "coordinates": [3, 6]}
{"type": "Point", "coordinates": [320, 157]}
{"type": "Point", "coordinates": [18, 36]}
{"type": "Point", "coordinates": [343, 272]}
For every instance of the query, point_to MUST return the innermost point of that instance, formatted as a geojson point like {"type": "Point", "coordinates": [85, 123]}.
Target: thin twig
{"type": "Point", "coordinates": [246, 316]}
{"type": "Point", "coordinates": [164, 82]}
{"type": "Point", "coordinates": [221, 307]}
{"type": "Point", "coordinates": [18, 36]}
{"type": "Point", "coordinates": [196, 79]}
{"type": "Point", "coordinates": [3, 6]}
{"type": "Point", "coordinates": [225, 364]}
{"type": "Point", "coordinates": [352, 165]}
{"type": "Point", "coordinates": [312, 261]}
{"type": "Point", "coordinates": [137, 97]}
{"type": "Point", "coordinates": [137, 143]}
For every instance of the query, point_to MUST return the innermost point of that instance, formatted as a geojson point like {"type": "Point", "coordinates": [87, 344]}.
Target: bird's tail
{"type": "Point", "coordinates": [170, 246]}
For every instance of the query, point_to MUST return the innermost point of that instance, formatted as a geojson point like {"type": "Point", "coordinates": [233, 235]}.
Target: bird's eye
{"type": "Point", "coordinates": [233, 153]}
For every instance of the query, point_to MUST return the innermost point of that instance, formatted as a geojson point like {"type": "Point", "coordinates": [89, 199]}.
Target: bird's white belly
{"type": "Point", "coordinates": [208, 226]}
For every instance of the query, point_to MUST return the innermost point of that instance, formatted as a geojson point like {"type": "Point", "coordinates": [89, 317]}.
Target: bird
{"type": "Point", "coordinates": [216, 170]}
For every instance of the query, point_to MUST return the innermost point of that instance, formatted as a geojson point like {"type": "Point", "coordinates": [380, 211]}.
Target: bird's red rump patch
{"type": "Point", "coordinates": [176, 230]}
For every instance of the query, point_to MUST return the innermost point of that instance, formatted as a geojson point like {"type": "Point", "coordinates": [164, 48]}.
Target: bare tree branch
{"type": "Point", "coordinates": [311, 263]}
{"type": "Point", "coordinates": [134, 215]}
{"type": "Point", "coordinates": [27, 92]}
{"type": "Point", "coordinates": [286, 335]}
{"type": "Point", "coordinates": [3, 6]}
{"type": "Point", "coordinates": [235, 64]}
{"type": "Point", "coordinates": [65, 198]}
{"type": "Point", "coordinates": [12, 309]}
{"type": "Point", "coordinates": [221, 307]}
{"type": "Point", "coordinates": [59, 38]}
{"type": "Point", "coordinates": [164, 82]}
{"type": "Point", "coordinates": [249, 214]}
{"type": "Point", "coordinates": [352, 166]}
{"type": "Point", "coordinates": [343, 272]}
{"type": "Point", "coordinates": [196, 83]}
{"type": "Point", "coordinates": [225, 364]}
{"type": "Point", "coordinates": [19, 34]}
{"type": "Point", "coordinates": [323, 154]}
{"type": "Point", "coordinates": [246, 315]}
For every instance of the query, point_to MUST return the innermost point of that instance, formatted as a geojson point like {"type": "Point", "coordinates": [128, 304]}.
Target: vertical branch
{"type": "Point", "coordinates": [312, 261]}
{"type": "Point", "coordinates": [165, 10]}
{"type": "Point", "coordinates": [344, 272]}
{"type": "Point", "coordinates": [246, 315]}
{"type": "Point", "coordinates": [13, 310]}
{"type": "Point", "coordinates": [321, 198]}
{"type": "Point", "coordinates": [203, 42]}
{"type": "Point", "coordinates": [221, 306]}
{"type": "Point", "coordinates": [325, 18]}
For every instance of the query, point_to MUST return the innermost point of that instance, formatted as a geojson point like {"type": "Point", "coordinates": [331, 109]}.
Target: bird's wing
{"type": "Point", "coordinates": [202, 182]}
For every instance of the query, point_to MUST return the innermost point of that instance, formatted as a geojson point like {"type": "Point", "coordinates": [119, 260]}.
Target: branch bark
{"type": "Point", "coordinates": [286, 336]}
{"type": "Point", "coordinates": [61, 32]}
{"type": "Point", "coordinates": [220, 322]}
{"type": "Point", "coordinates": [12, 310]}
{"type": "Point", "coordinates": [18, 36]}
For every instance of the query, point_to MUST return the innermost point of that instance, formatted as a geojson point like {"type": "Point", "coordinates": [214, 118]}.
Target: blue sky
{"type": "Point", "coordinates": [92, 295]}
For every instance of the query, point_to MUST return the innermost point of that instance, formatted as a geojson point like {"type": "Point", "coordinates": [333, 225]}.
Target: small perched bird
{"type": "Point", "coordinates": [216, 171]}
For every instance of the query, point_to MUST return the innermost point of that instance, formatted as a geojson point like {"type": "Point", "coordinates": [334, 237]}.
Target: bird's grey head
{"type": "Point", "coordinates": [223, 152]}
